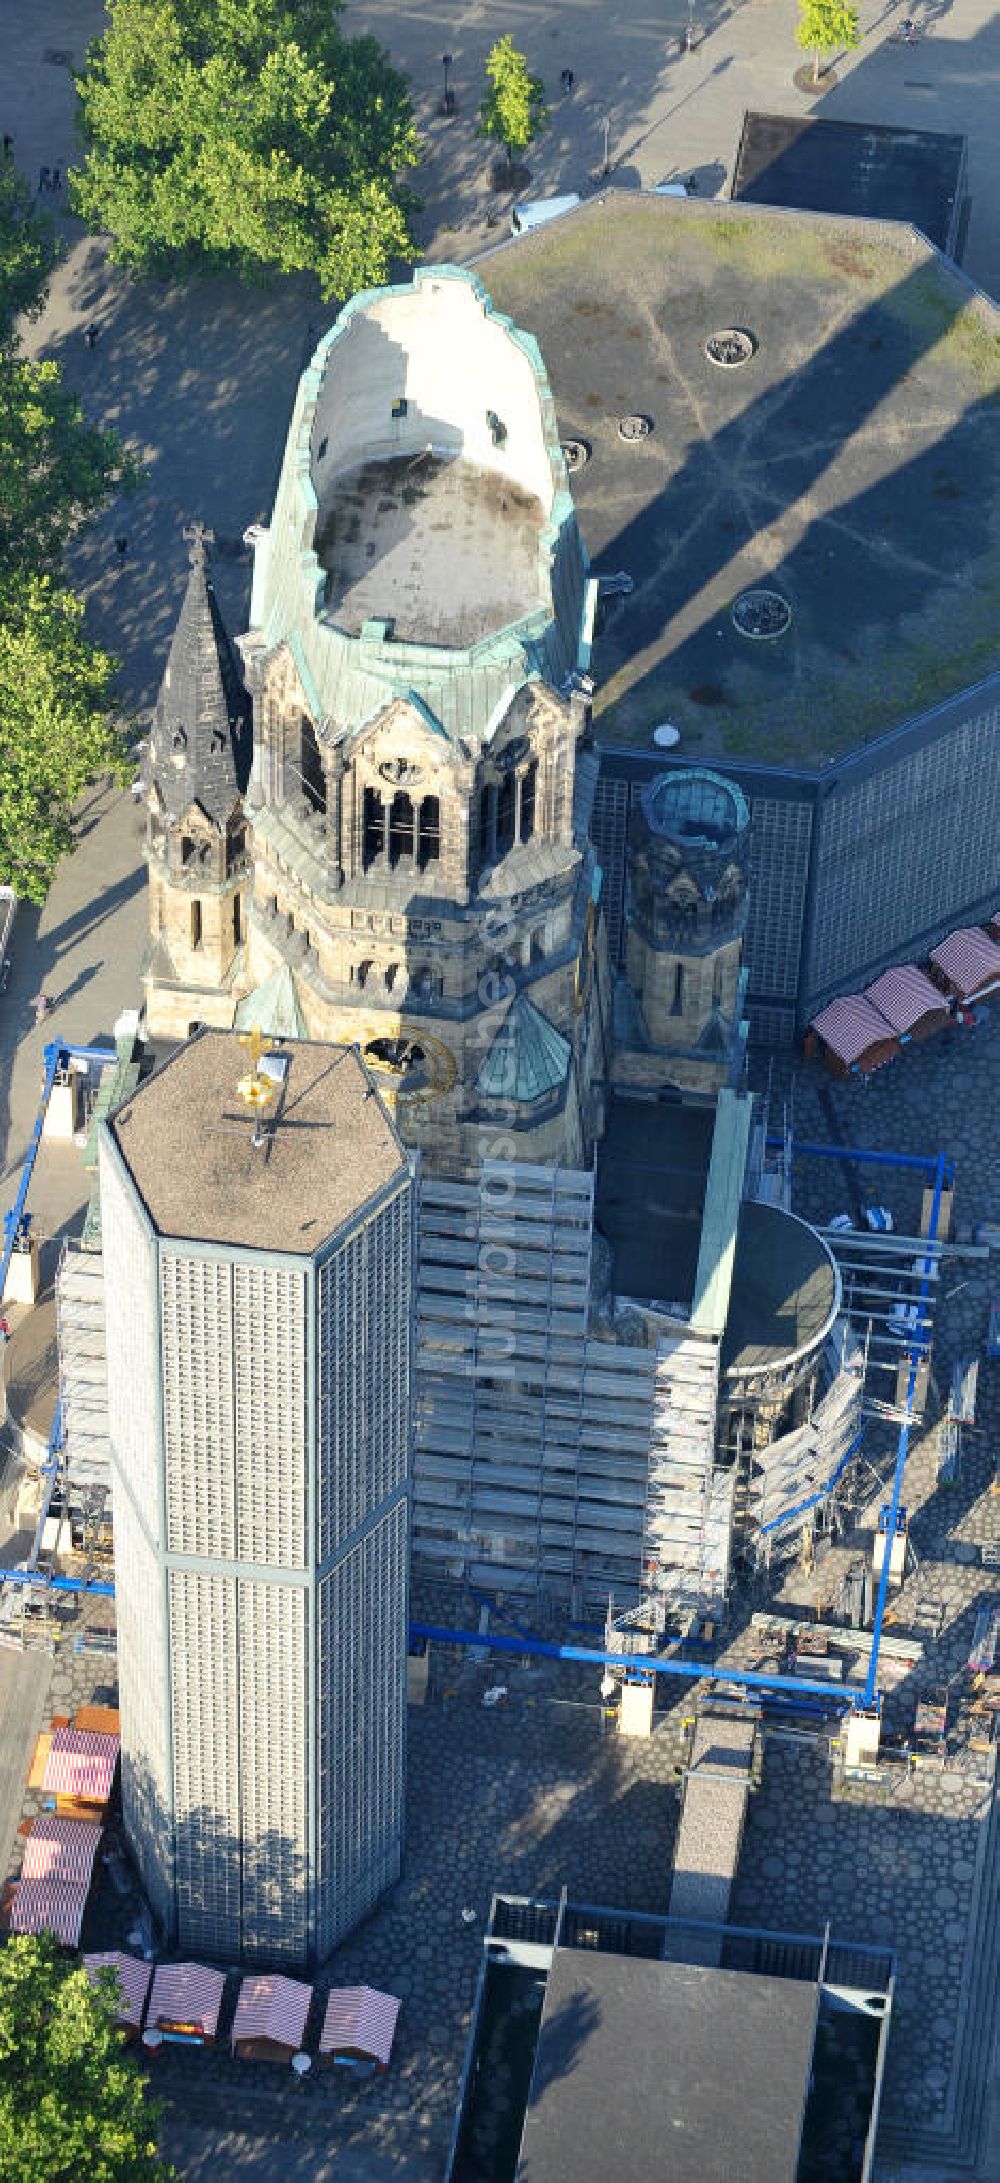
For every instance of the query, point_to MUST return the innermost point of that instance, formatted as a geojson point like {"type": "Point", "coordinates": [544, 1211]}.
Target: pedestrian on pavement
{"type": "Point", "coordinates": [567, 80]}
{"type": "Point", "coordinates": [42, 1007]}
{"type": "Point", "coordinates": [43, 178]}
{"type": "Point", "coordinates": [91, 336]}
{"type": "Point", "coordinates": [4, 1330]}
{"type": "Point", "coordinates": [8, 146]}
{"type": "Point", "coordinates": [122, 543]}
{"type": "Point", "coordinates": [55, 179]}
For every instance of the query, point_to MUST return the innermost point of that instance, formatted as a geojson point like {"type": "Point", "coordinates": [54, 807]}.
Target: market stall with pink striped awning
{"type": "Point", "coordinates": [853, 1035]}
{"type": "Point", "coordinates": [909, 1001]}
{"type": "Point", "coordinates": [81, 1764]}
{"type": "Point", "coordinates": [133, 1983]}
{"type": "Point", "coordinates": [270, 2020]}
{"type": "Point", "coordinates": [359, 2025]}
{"type": "Point", "coordinates": [50, 1906]}
{"type": "Point", "coordinates": [185, 2001]}
{"type": "Point", "coordinates": [967, 963]}
{"type": "Point", "coordinates": [60, 1849]}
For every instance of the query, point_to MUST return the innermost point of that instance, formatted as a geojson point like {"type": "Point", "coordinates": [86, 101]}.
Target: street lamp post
{"type": "Point", "coordinates": [606, 126]}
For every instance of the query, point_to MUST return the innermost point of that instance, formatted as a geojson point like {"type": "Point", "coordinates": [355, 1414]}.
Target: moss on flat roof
{"type": "Point", "coordinates": [852, 465]}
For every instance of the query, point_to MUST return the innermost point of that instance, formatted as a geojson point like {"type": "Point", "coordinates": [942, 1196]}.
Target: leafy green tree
{"type": "Point", "coordinates": [55, 467]}
{"type": "Point", "coordinates": [56, 725]}
{"type": "Point", "coordinates": [72, 2105]}
{"type": "Point", "coordinates": [513, 110]}
{"type": "Point", "coordinates": [248, 134]}
{"type": "Point", "coordinates": [826, 26]}
{"type": "Point", "coordinates": [28, 251]}
{"type": "Point", "coordinates": [56, 730]}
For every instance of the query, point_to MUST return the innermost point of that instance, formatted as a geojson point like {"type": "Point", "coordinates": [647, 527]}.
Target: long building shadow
{"type": "Point", "coordinates": [856, 486]}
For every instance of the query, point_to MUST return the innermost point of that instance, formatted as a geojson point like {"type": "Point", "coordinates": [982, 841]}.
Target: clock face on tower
{"type": "Point", "coordinates": [408, 1063]}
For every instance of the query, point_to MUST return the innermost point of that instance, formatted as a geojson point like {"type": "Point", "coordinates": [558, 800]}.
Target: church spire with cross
{"type": "Point", "coordinates": [196, 839]}
{"type": "Point", "coordinates": [199, 727]}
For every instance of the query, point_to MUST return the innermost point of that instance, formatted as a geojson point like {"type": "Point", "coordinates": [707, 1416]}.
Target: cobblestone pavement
{"type": "Point", "coordinates": [914, 1861]}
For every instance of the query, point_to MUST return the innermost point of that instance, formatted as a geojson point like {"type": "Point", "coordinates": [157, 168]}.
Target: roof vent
{"type": "Point", "coordinates": [635, 427]}
{"type": "Point", "coordinates": [761, 614]}
{"type": "Point", "coordinates": [731, 347]}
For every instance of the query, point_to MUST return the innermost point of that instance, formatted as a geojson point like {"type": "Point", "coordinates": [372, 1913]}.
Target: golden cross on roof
{"type": "Point", "coordinates": [255, 1090]}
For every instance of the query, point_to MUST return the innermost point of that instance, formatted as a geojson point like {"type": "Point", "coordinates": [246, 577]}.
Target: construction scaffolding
{"type": "Point", "coordinates": [689, 1500]}
{"type": "Point", "coordinates": [548, 1460]}
{"type": "Point", "coordinates": [83, 1375]}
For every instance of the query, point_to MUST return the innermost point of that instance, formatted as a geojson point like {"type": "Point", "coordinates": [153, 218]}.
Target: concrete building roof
{"type": "Point", "coordinates": [785, 1290]}
{"type": "Point", "coordinates": [856, 167]}
{"type": "Point", "coordinates": [851, 465]}
{"type": "Point", "coordinates": [326, 1146]}
{"type": "Point", "coordinates": [648, 2068]}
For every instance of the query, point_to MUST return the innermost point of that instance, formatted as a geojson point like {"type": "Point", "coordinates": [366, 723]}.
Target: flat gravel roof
{"type": "Point", "coordinates": [327, 1145]}
{"type": "Point", "coordinates": [671, 2069]}
{"type": "Point", "coordinates": [852, 465]}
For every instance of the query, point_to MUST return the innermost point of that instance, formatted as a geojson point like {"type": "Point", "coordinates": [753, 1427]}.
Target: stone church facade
{"type": "Point", "coordinates": [408, 866]}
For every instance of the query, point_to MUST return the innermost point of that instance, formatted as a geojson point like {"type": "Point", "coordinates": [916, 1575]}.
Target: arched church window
{"type": "Point", "coordinates": [400, 827]}
{"type": "Point", "coordinates": [187, 849]}
{"type": "Point", "coordinates": [538, 945]}
{"type": "Point", "coordinates": [392, 973]}
{"type": "Point", "coordinates": [505, 813]}
{"type": "Point", "coordinates": [487, 824]}
{"type": "Point", "coordinates": [179, 742]}
{"type": "Point", "coordinates": [374, 828]}
{"type": "Point", "coordinates": [529, 782]}
{"type": "Point", "coordinates": [429, 837]}
{"type": "Point", "coordinates": [361, 972]}
{"type": "Point", "coordinates": [677, 1004]}
{"type": "Point", "coordinates": [311, 771]}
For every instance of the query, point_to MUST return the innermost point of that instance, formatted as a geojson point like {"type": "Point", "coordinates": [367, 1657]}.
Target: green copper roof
{"type": "Point", "coordinates": [528, 1057]}
{"type": "Point", "coordinates": [273, 1009]}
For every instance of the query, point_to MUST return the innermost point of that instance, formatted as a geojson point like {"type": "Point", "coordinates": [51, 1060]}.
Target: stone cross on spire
{"type": "Point", "coordinates": [198, 536]}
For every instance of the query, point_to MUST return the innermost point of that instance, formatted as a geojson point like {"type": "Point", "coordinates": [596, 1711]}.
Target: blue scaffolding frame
{"type": "Point", "coordinates": [938, 1168]}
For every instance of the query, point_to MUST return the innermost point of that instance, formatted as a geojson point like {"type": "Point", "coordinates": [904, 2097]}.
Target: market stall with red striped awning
{"type": "Point", "coordinates": [185, 2001]}
{"type": "Point", "coordinates": [60, 1849]}
{"type": "Point", "coordinates": [967, 963]}
{"type": "Point", "coordinates": [270, 2019]}
{"type": "Point", "coordinates": [50, 1906]}
{"type": "Point", "coordinates": [81, 1764]}
{"type": "Point", "coordinates": [907, 999]}
{"type": "Point", "coordinates": [133, 1983]}
{"type": "Point", "coordinates": [359, 2024]}
{"type": "Point", "coordinates": [854, 1035]}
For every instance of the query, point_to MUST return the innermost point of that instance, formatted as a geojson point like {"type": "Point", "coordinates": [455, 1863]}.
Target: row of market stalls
{"type": "Point", "coordinates": [74, 1766]}
{"type": "Point", "coordinates": [859, 1032]}
{"type": "Point", "coordinates": [181, 2004]}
